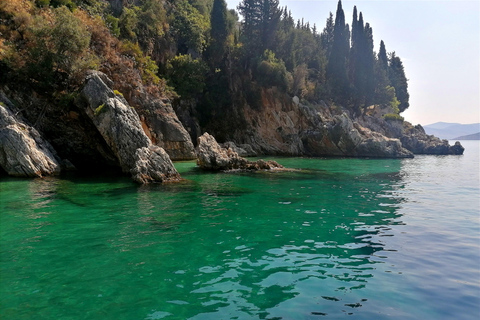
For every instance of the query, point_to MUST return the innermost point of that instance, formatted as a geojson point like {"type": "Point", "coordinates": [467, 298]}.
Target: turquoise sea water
{"type": "Point", "coordinates": [340, 238]}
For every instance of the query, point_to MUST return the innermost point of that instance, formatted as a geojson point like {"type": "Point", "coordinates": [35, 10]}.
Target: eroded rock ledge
{"type": "Point", "coordinates": [211, 156]}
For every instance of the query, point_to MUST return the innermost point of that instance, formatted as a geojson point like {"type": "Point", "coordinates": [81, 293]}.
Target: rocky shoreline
{"type": "Point", "coordinates": [101, 128]}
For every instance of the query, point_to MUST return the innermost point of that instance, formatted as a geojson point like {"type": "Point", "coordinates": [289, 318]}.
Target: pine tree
{"type": "Point", "coordinates": [260, 23]}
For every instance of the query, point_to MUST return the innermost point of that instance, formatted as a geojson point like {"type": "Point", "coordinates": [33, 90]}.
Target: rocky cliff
{"type": "Point", "coordinates": [283, 126]}
{"type": "Point", "coordinates": [99, 130]}
{"type": "Point", "coordinates": [413, 138]}
{"type": "Point", "coordinates": [102, 130]}
{"type": "Point", "coordinates": [23, 151]}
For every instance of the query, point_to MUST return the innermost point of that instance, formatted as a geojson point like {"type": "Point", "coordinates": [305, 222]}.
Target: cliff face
{"type": "Point", "coordinates": [102, 129]}
{"type": "Point", "coordinates": [284, 126]}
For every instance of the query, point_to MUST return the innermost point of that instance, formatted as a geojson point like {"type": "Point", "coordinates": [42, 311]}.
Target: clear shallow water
{"type": "Point", "coordinates": [357, 238]}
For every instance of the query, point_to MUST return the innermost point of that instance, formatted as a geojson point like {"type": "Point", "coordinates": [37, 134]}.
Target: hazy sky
{"type": "Point", "coordinates": [438, 42]}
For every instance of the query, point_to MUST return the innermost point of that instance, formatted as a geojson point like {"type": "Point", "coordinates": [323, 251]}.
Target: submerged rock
{"type": "Point", "coordinates": [120, 127]}
{"type": "Point", "coordinates": [211, 156]}
{"type": "Point", "coordinates": [23, 151]}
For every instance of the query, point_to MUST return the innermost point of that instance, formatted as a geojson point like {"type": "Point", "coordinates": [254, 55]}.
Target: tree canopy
{"type": "Point", "coordinates": [196, 47]}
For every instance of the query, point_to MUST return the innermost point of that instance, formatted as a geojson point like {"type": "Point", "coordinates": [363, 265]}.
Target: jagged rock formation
{"type": "Point", "coordinates": [412, 137]}
{"type": "Point", "coordinates": [23, 151]}
{"type": "Point", "coordinates": [211, 156]}
{"type": "Point", "coordinates": [120, 127]}
{"type": "Point", "coordinates": [415, 139]}
{"type": "Point", "coordinates": [283, 126]}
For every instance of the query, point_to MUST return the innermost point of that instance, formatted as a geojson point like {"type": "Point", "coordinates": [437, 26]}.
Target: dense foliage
{"type": "Point", "coordinates": [198, 50]}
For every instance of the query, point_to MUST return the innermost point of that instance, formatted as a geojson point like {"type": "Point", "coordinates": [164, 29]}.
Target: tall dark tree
{"type": "Point", "coordinates": [326, 36]}
{"type": "Point", "coordinates": [260, 23]}
{"type": "Point", "coordinates": [250, 36]}
{"type": "Point", "coordinates": [382, 55]}
{"type": "Point", "coordinates": [337, 62]}
{"type": "Point", "coordinates": [271, 15]}
{"type": "Point", "coordinates": [382, 83]}
{"type": "Point", "coordinates": [355, 44]}
{"type": "Point", "coordinates": [361, 64]}
{"type": "Point", "coordinates": [368, 60]}
{"type": "Point", "coordinates": [218, 33]}
{"type": "Point", "coordinates": [398, 80]}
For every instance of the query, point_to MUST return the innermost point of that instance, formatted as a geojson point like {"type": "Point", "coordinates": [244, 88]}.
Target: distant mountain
{"type": "Point", "coordinates": [475, 136]}
{"type": "Point", "coordinates": [451, 131]}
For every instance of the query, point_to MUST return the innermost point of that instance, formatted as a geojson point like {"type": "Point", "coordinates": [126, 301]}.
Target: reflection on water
{"type": "Point", "coordinates": [284, 245]}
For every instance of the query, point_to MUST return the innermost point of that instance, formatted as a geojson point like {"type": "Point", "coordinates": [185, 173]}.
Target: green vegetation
{"type": "Point", "coordinates": [198, 52]}
{"type": "Point", "coordinates": [99, 109]}
{"type": "Point", "coordinates": [393, 117]}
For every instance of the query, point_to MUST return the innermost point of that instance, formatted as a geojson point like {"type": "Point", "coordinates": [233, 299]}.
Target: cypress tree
{"type": "Point", "coordinates": [368, 59]}
{"type": "Point", "coordinates": [354, 50]}
{"type": "Point", "coordinates": [361, 64]}
{"type": "Point", "coordinates": [327, 35]}
{"type": "Point", "coordinates": [398, 80]}
{"type": "Point", "coordinates": [382, 55]}
{"type": "Point", "coordinates": [218, 32]}
{"type": "Point", "coordinates": [337, 62]}
{"type": "Point", "coordinates": [381, 77]}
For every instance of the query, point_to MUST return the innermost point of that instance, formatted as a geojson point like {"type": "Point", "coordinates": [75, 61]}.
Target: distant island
{"type": "Point", "coordinates": [474, 136]}
{"type": "Point", "coordinates": [453, 131]}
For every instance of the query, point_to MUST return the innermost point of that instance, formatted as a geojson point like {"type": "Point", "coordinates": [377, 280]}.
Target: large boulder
{"type": "Point", "coordinates": [23, 151]}
{"type": "Point", "coordinates": [150, 166]}
{"type": "Point", "coordinates": [120, 127]}
{"type": "Point", "coordinates": [211, 156]}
